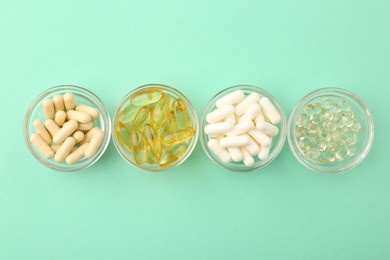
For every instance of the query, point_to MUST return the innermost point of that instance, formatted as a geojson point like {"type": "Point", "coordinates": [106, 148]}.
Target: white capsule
{"type": "Point", "coordinates": [60, 117]}
{"type": "Point", "coordinates": [260, 137]}
{"type": "Point", "coordinates": [267, 128]}
{"type": "Point", "coordinates": [85, 127]}
{"type": "Point", "coordinates": [244, 105]}
{"type": "Point", "coordinates": [87, 109]}
{"type": "Point", "coordinates": [219, 114]}
{"type": "Point", "coordinates": [69, 101]}
{"type": "Point", "coordinates": [42, 146]}
{"type": "Point", "coordinates": [247, 157]}
{"type": "Point", "coordinates": [42, 131]}
{"type": "Point", "coordinates": [219, 151]}
{"type": "Point", "coordinates": [94, 144]}
{"type": "Point", "coordinates": [235, 153]}
{"type": "Point", "coordinates": [64, 149]}
{"type": "Point", "coordinates": [230, 99]}
{"type": "Point", "coordinates": [58, 103]}
{"type": "Point", "coordinates": [235, 141]}
{"type": "Point", "coordinates": [89, 134]}
{"type": "Point", "coordinates": [253, 147]}
{"type": "Point", "coordinates": [67, 129]}
{"type": "Point", "coordinates": [231, 119]}
{"type": "Point", "coordinates": [48, 108]}
{"type": "Point", "coordinates": [77, 155]}
{"type": "Point", "coordinates": [241, 128]}
{"type": "Point", "coordinates": [251, 113]}
{"type": "Point", "coordinates": [270, 111]}
{"type": "Point", "coordinates": [259, 117]}
{"type": "Point", "coordinates": [218, 128]}
{"type": "Point", "coordinates": [79, 116]}
{"type": "Point", "coordinates": [52, 127]}
{"type": "Point", "coordinates": [264, 152]}
{"type": "Point", "coordinates": [78, 136]}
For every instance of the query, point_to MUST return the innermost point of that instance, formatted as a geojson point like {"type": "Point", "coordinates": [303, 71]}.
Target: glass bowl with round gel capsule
{"type": "Point", "coordinates": [243, 128]}
{"type": "Point", "coordinates": [56, 139]}
{"type": "Point", "coordinates": [155, 127]}
{"type": "Point", "coordinates": [330, 130]}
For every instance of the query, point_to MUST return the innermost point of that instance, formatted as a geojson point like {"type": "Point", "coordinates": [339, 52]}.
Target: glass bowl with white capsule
{"type": "Point", "coordinates": [101, 120]}
{"type": "Point", "coordinates": [248, 138]}
{"type": "Point", "coordinates": [330, 130]}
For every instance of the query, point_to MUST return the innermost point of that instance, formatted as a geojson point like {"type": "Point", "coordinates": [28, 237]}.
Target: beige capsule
{"type": "Point", "coordinates": [67, 129]}
{"type": "Point", "coordinates": [60, 117]}
{"type": "Point", "coordinates": [42, 146]}
{"type": "Point", "coordinates": [87, 109]}
{"type": "Point", "coordinates": [48, 108]}
{"type": "Point", "coordinates": [64, 149]}
{"type": "Point", "coordinates": [79, 116]}
{"type": "Point", "coordinates": [42, 131]}
{"type": "Point", "coordinates": [94, 144]}
{"type": "Point", "coordinates": [55, 148]}
{"type": "Point", "coordinates": [85, 127]}
{"type": "Point", "coordinates": [78, 136]}
{"type": "Point", "coordinates": [58, 103]}
{"type": "Point", "coordinates": [89, 134]}
{"type": "Point", "coordinates": [52, 127]}
{"type": "Point", "coordinates": [77, 155]}
{"type": "Point", "coordinates": [69, 101]}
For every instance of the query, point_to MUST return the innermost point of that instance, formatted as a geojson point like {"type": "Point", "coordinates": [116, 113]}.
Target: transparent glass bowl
{"type": "Point", "coordinates": [191, 143]}
{"type": "Point", "coordinates": [365, 136]}
{"type": "Point", "coordinates": [82, 95]}
{"type": "Point", "coordinates": [277, 141]}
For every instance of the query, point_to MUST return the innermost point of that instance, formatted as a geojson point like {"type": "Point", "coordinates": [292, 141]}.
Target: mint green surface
{"type": "Point", "coordinates": [197, 210]}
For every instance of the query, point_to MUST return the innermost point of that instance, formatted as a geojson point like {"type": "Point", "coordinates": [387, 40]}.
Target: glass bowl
{"type": "Point", "coordinates": [82, 95]}
{"type": "Point", "coordinates": [277, 141]}
{"type": "Point", "coordinates": [124, 151]}
{"type": "Point", "coordinates": [345, 143]}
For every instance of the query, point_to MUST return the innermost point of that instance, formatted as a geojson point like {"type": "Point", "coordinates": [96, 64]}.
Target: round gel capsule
{"type": "Point", "coordinates": [230, 99]}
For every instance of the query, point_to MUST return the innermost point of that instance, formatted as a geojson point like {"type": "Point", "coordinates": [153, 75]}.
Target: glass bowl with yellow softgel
{"type": "Point", "coordinates": [330, 130]}
{"type": "Point", "coordinates": [155, 127]}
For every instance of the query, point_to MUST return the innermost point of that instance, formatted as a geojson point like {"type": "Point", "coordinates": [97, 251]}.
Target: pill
{"type": "Point", "coordinates": [55, 148]}
{"type": "Point", "coordinates": [230, 99]}
{"type": "Point", "coordinates": [42, 146]}
{"type": "Point", "coordinates": [77, 155]}
{"type": "Point", "coordinates": [42, 131]}
{"type": "Point", "coordinates": [260, 137]}
{"type": "Point", "coordinates": [241, 128]}
{"type": "Point", "coordinates": [69, 101]}
{"type": "Point", "coordinates": [89, 134]}
{"type": "Point", "coordinates": [79, 116]}
{"type": "Point", "coordinates": [64, 149]}
{"type": "Point", "coordinates": [251, 113]}
{"type": "Point", "coordinates": [269, 110]}
{"type": "Point", "coordinates": [94, 144]}
{"type": "Point", "coordinates": [231, 119]}
{"type": "Point", "coordinates": [48, 108]}
{"type": "Point", "coordinates": [58, 103]}
{"type": "Point", "coordinates": [244, 105]}
{"type": "Point", "coordinates": [67, 129]}
{"type": "Point", "coordinates": [60, 117]}
{"type": "Point", "coordinates": [52, 127]}
{"type": "Point", "coordinates": [259, 117]}
{"type": "Point", "coordinates": [264, 152]}
{"type": "Point", "coordinates": [235, 141]}
{"type": "Point", "coordinates": [219, 114]}
{"type": "Point", "coordinates": [267, 128]}
{"type": "Point", "coordinates": [218, 128]}
{"type": "Point", "coordinates": [253, 148]}
{"type": "Point", "coordinates": [247, 157]}
{"type": "Point", "coordinates": [85, 127]}
{"type": "Point", "coordinates": [87, 109]}
{"type": "Point", "coordinates": [235, 153]}
{"type": "Point", "coordinates": [217, 149]}
{"type": "Point", "coordinates": [78, 136]}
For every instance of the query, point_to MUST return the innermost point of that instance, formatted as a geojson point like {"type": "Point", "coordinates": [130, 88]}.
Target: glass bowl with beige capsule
{"type": "Point", "coordinates": [330, 130]}
{"type": "Point", "coordinates": [67, 128]}
{"type": "Point", "coordinates": [243, 128]}
{"type": "Point", "coordinates": [155, 127]}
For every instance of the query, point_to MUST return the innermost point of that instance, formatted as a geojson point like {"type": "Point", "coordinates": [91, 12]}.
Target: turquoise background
{"type": "Point", "coordinates": [198, 210]}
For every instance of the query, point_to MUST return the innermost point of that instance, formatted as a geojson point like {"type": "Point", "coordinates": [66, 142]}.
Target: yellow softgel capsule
{"type": "Point", "coordinates": [163, 106]}
{"type": "Point", "coordinates": [138, 147]}
{"type": "Point", "coordinates": [123, 134]}
{"type": "Point", "coordinates": [178, 149]}
{"type": "Point", "coordinates": [181, 113]}
{"type": "Point", "coordinates": [142, 117]}
{"type": "Point", "coordinates": [167, 159]}
{"type": "Point", "coordinates": [128, 114]}
{"type": "Point", "coordinates": [178, 136]}
{"type": "Point", "coordinates": [145, 97]}
{"type": "Point", "coordinates": [153, 140]}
